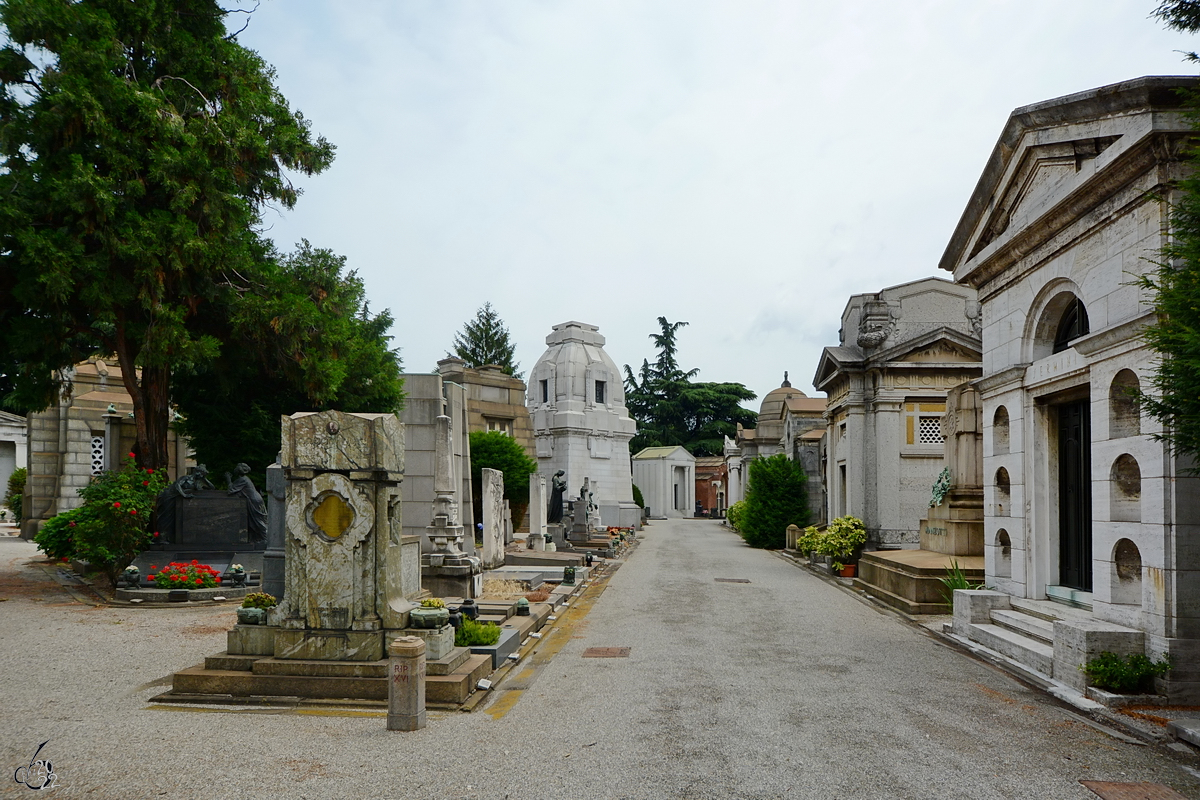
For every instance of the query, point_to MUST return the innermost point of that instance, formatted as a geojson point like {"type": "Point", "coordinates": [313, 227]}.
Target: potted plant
{"type": "Point", "coordinates": [841, 542]}
{"type": "Point", "coordinates": [808, 541]}
{"type": "Point", "coordinates": [255, 607]}
{"type": "Point", "coordinates": [237, 573]}
{"type": "Point", "coordinates": [432, 613]}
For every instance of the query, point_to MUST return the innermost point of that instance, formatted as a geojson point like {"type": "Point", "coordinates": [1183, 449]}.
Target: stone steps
{"type": "Point", "coordinates": [449, 680]}
{"type": "Point", "coordinates": [1030, 652]}
{"type": "Point", "coordinates": [1026, 625]}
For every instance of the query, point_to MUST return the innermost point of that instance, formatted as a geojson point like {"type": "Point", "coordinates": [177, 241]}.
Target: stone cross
{"type": "Point", "coordinates": [493, 516]}
{"type": "Point", "coordinates": [508, 524]}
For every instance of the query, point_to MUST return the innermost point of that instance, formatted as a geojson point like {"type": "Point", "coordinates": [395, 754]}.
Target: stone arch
{"type": "Point", "coordinates": [1000, 428]}
{"type": "Point", "coordinates": [1003, 554]}
{"type": "Point", "coordinates": [1124, 409]}
{"type": "Point", "coordinates": [1125, 490]}
{"type": "Point", "coordinates": [1126, 578]}
{"type": "Point", "coordinates": [1055, 319]}
{"type": "Point", "coordinates": [1003, 493]}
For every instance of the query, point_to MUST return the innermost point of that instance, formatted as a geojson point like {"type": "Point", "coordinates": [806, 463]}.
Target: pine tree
{"type": "Point", "coordinates": [485, 340]}
{"type": "Point", "coordinates": [672, 410]}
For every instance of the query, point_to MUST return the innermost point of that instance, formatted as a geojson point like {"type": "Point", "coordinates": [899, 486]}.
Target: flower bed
{"type": "Point", "coordinates": [177, 575]}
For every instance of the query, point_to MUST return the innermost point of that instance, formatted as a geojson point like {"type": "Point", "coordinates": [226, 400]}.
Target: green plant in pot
{"type": "Point", "coordinates": [255, 607]}
{"type": "Point", "coordinates": [432, 613]}
{"type": "Point", "coordinates": [808, 541]}
{"type": "Point", "coordinates": [842, 540]}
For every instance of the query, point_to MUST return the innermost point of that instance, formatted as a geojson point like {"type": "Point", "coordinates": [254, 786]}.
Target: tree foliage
{"type": "Point", "coordinates": [139, 143]}
{"type": "Point", "coordinates": [1175, 336]}
{"type": "Point", "coordinates": [672, 410]}
{"type": "Point", "coordinates": [300, 339]}
{"type": "Point", "coordinates": [775, 498]}
{"type": "Point", "coordinates": [485, 340]}
{"type": "Point", "coordinates": [498, 450]}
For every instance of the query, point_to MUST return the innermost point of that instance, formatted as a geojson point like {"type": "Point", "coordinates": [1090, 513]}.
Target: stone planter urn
{"type": "Point", "coordinates": [428, 617]}
{"type": "Point", "coordinates": [252, 616]}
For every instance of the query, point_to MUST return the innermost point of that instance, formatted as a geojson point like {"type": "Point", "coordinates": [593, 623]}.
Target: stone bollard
{"type": "Point", "coordinates": [406, 685]}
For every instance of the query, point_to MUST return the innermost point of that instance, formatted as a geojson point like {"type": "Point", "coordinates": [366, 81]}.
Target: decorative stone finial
{"type": "Point", "coordinates": [786, 384]}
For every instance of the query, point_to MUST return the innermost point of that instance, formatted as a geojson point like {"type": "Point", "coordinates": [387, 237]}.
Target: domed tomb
{"type": "Point", "coordinates": [577, 402]}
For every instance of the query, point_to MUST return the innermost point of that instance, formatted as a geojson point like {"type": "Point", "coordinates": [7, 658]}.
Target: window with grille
{"type": "Point", "coordinates": [929, 430]}
{"type": "Point", "coordinates": [97, 455]}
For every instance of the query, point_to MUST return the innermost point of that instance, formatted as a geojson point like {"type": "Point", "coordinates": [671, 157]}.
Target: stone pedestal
{"type": "Point", "coordinates": [273, 582]}
{"type": "Point", "coordinates": [448, 571]}
{"type": "Point", "coordinates": [493, 518]}
{"type": "Point", "coordinates": [956, 526]}
{"type": "Point", "coordinates": [438, 641]}
{"type": "Point", "coordinates": [406, 684]}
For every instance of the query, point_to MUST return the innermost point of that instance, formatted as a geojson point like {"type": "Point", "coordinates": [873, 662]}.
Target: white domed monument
{"type": "Point", "coordinates": [576, 399]}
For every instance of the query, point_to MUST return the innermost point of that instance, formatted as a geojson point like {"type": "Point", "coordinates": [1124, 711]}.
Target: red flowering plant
{"type": "Point", "coordinates": [113, 525]}
{"type": "Point", "coordinates": [178, 575]}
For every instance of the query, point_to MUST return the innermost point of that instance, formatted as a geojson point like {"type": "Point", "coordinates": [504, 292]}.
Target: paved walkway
{"type": "Point", "coordinates": [785, 686]}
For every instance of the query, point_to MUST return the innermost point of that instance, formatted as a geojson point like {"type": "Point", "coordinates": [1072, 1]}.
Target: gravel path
{"type": "Point", "coordinates": [782, 687]}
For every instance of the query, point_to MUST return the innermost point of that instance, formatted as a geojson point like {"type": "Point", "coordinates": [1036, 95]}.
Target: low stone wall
{"type": "Point", "coordinates": [194, 595]}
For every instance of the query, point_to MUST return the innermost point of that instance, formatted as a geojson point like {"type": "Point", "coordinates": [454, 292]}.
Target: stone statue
{"type": "Point", "coordinates": [256, 509]}
{"type": "Point", "coordinates": [184, 487]}
{"type": "Point", "coordinates": [554, 512]}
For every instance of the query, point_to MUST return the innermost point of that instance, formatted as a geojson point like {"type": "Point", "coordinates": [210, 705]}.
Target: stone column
{"type": "Point", "coordinates": [273, 557]}
{"type": "Point", "coordinates": [537, 506]}
{"type": "Point", "coordinates": [406, 684]}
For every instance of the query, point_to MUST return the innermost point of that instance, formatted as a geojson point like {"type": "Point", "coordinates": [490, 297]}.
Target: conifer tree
{"type": "Point", "coordinates": [1175, 336]}
{"type": "Point", "coordinates": [485, 340]}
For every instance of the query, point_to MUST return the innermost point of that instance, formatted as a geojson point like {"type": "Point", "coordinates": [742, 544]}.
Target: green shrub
{"type": "Point", "coordinates": [842, 539]}
{"type": "Point", "coordinates": [259, 600]}
{"type": "Point", "coordinates": [16, 488]}
{"type": "Point", "coordinates": [498, 450]}
{"type": "Point", "coordinates": [115, 527]}
{"type": "Point", "coordinates": [775, 498]}
{"type": "Point", "coordinates": [637, 497]}
{"type": "Point", "coordinates": [476, 634]}
{"type": "Point", "coordinates": [58, 536]}
{"type": "Point", "coordinates": [1134, 675]}
{"type": "Point", "coordinates": [808, 541]}
{"type": "Point", "coordinates": [736, 514]}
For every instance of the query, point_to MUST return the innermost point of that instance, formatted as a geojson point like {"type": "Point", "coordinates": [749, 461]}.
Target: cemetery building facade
{"type": "Point", "coordinates": [900, 351]}
{"type": "Point", "coordinates": [14, 447]}
{"type": "Point", "coordinates": [667, 478]}
{"type": "Point", "coordinates": [495, 400]}
{"type": "Point", "coordinates": [1081, 504]}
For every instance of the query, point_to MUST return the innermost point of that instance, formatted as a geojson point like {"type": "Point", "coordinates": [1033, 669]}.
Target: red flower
{"type": "Point", "coordinates": [199, 581]}
{"type": "Point", "coordinates": [218, 580]}
{"type": "Point", "coordinates": [153, 567]}
{"type": "Point", "coordinates": [117, 504]}
{"type": "Point", "coordinates": [149, 472]}
{"type": "Point", "coordinates": [174, 577]}
{"type": "Point", "coordinates": [195, 562]}
{"type": "Point", "coordinates": [72, 524]}
{"type": "Point", "coordinates": [145, 483]}
{"type": "Point", "coordinates": [131, 455]}
{"type": "Point", "coordinates": [149, 577]}
{"type": "Point", "coordinates": [156, 534]}
{"type": "Point", "coordinates": [133, 511]}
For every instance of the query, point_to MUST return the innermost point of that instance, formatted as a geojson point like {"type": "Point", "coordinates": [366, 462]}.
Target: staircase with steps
{"type": "Point", "coordinates": [1046, 640]}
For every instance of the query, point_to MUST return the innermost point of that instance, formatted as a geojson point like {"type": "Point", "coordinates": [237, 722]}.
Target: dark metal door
{"type": "Point", "coordinates": [1075, 496]}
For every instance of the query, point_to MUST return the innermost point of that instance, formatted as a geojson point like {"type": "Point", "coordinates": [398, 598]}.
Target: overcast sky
{"type": "Point", "coordinates": [743, 166]}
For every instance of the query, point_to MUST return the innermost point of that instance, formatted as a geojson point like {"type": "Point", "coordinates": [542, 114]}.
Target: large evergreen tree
{"type": "Point", "coordinates": [672, 410]}
{"type": "Point", "coordinates": [485, 340]}
{"type": "Point", "coordinates": [139, 142]}
{"type": "Point", "coordinates": [775, 498]}
{"type": "Point", "coordinates": [302, 339]}
{"type": "Point", "coordinates": [1175, 336]}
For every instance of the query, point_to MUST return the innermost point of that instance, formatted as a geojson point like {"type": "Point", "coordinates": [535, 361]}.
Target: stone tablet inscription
{"type": "Point", "coordinates": [211, 519]}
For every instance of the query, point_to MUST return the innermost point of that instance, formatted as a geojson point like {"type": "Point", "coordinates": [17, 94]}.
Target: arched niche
{"type": "Point", "coordinates": [1003, 493]}
{"type": "Point", "coordinates": [1000, 431]}
{"type": "Point", "coordinates": [1124, 410]}
{"type": "Point", "coordinates": [1125, 490]}
{"type": "Point", "coordinates": [1126, 586]}
{"type": "Point", "coordinates": [1062, 319]}
{"type": "Point", "coordinates": [1003, 554]}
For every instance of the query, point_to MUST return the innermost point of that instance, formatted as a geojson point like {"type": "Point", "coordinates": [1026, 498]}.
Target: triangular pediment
{"type": "Point", "coordinates": [1043, 176]}
{"type": "Point", "coordinates": [941, 346]}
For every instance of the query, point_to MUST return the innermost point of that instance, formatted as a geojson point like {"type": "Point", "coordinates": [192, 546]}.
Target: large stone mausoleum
{"type": "Point", "coordinates": [581, 426]}
{"type": "Point", "coordinates": [900, 351]}
{"type": "Point", "coordinates": [1081, 504]}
